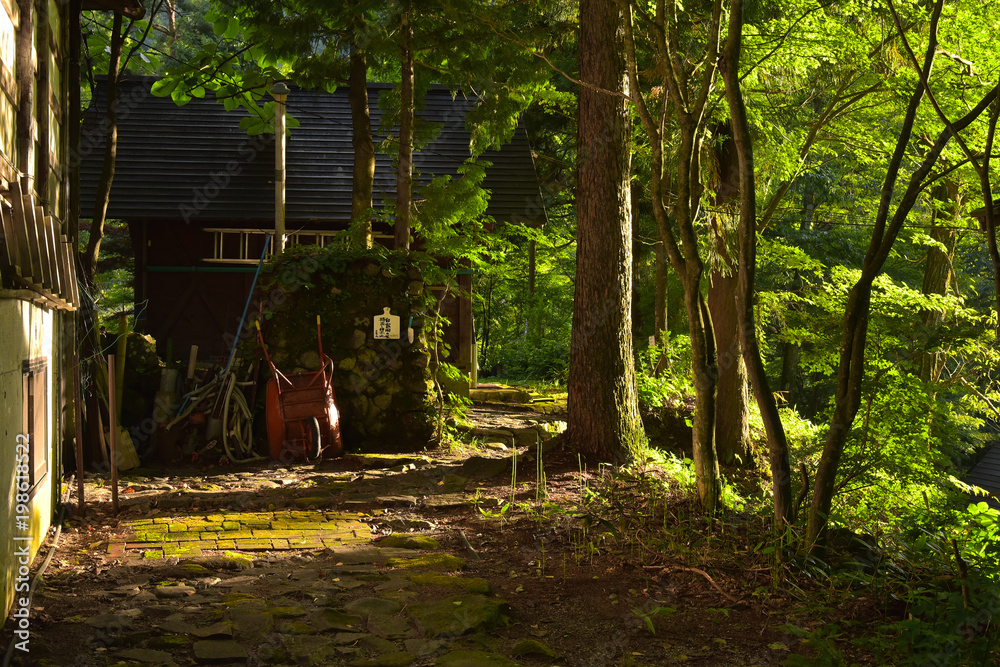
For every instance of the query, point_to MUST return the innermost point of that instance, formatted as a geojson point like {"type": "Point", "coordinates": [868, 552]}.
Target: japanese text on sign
{"type": "Point", "coordinates": [386, 325]}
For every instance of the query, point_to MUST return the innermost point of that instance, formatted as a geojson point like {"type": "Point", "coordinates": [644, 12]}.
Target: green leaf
{"type": "Point", "coordinates": [163, 87]}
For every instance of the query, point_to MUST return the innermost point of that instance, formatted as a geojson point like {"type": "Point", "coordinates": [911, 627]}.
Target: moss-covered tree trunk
{"type": "Point", "coordinates": [603, 409]}
{"type": "Point", "coordinates": [404, 175]}
{"type": "Point", "coordinates": [732, 418]}
{"type": "Point", "coordinates": [688, 87]}
{"type": "Point", "coordinates": [103, 195]}
{"type": "Point", "coordinates": [364, 147]}
{"type": "Point", "coordinates": [747, 263]}
{"type": "Point", "coordinates": [937, 270]}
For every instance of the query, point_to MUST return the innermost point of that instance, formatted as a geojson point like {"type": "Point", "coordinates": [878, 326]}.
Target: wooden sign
{"type": "Point", "coordinates": [386, 325]}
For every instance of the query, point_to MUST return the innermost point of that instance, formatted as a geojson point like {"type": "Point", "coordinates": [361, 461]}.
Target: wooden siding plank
{"type": "Point", "coordinates": [72, 294]}
{"type": "Point", "coordinates": [52, 241]}
{"type": "Point", "coordinates": [45, 247]}
{"type": "Point", "coordinates": [30, 261]}
{"type": "Point", "coordinates": [14, 249]}
{"type": "Point", "coordinates": [39, 254]}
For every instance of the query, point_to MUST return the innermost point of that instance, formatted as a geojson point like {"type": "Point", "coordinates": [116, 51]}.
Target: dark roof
{"type": "Point", "coordinates": [986, 475]}
{"type": "Point", "coordinates": [195, 162]}
{"type": "Point", "coordinates": [131, 8]}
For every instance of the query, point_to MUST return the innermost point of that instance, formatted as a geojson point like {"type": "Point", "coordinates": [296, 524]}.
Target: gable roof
{"type": "Point", "coordinates": [195, 163]}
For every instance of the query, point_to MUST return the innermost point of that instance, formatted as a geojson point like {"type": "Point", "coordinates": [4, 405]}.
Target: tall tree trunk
{"type": "Point", "coordinates": [732, 419]}
{"type": "Point", "coordinates": [937, 270]}
{"type": "Point", "coordinates": [364, 146]}
{"type": "Point", "coordinates": [603, 410]}
{"type": "Point", "coordinates": [683, 248]}
{"type": "Point", "coordinates": [404, 177]}
{"type": "Point", "coordinates": [103, 194]}
{"type": "Point", "coordinates": [171, 26]}
{"type": "Point", "coordinates": [747, 238]}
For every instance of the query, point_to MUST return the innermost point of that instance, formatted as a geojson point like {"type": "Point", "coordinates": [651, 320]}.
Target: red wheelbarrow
{"type": "Point", "coordinates": [302, 417]}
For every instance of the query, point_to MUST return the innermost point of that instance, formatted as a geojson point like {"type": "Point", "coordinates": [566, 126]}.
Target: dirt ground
{"type": "Point", "coordinates": [576, 592]}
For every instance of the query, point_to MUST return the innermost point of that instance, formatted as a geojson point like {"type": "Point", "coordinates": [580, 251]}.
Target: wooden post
{"type": "Point", "coordinates": [192, 362]}
{"type": "Point", "coordinates": [280, 94]}
{"type": "Point", "coordinates": [78, 416]}
{"type": "Point", "coordinates": [113, 454]}
{"type": "Point", "coordinates": [25, 75]}
{"type": "Point", "coordinates": [43, 52]}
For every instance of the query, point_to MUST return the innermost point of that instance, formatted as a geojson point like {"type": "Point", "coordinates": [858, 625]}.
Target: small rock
{"type": "Point", "coordinates": [173, 591]}
{"type": "Point", "coordinates": [357, 339]}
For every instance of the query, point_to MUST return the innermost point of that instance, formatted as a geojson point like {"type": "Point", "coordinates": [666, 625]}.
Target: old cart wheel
{"type": "Point", "coordinates": [314, 448]}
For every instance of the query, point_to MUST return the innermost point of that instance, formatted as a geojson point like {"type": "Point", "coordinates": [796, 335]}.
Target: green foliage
{"type": "Point", "coordinates": [546, 360]}
{"type": "Point", "coordinates": [671, 387]}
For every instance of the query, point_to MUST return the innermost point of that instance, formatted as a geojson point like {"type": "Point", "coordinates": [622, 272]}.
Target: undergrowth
{"type": "Point", "coordinates": [906, 596]}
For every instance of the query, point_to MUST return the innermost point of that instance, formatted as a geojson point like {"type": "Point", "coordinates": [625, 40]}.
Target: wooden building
{"type": "Point", "coordinates": [198, 195]}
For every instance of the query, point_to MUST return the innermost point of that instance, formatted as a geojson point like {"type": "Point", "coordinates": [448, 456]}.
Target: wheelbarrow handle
{"type": "Point", "coordinates": [319, 337]}
{"type": "Point", "coordinates": [263, 346]}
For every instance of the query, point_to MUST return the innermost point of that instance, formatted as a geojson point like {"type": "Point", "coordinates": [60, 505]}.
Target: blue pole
{"type": "Point", "coordinates": [246, 307]}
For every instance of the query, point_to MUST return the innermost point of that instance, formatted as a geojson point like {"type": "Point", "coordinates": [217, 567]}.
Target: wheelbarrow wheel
{"type": "Point", "coordinates": [314, 447]}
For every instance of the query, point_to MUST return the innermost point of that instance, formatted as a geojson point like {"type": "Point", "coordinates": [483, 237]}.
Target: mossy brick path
{"type": "Point", "coordinates": [191, 534]}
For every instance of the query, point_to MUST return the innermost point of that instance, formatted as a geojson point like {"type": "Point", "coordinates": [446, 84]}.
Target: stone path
{"type": "Point", "coordinates": [192, 534]}
{"type": "Point", "coordinates": [284, 566]}
{"type": "Point", "coordinates": [361, 562]}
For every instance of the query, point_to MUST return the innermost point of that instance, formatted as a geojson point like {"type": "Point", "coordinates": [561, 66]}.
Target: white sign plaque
{"type": "Point", "coordinates": [386, 325]}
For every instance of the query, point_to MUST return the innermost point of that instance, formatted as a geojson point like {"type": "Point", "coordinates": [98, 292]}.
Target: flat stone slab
{"type": "Point", "coordinates": [404, 541]}
{"type": "Point", "coordinates": [459, 615]}
{"type": "Point", "coordinates": [367, 606]}
{"type": "Point", "coordinates": [147, 656]}
{"type": "Point", "coordinates": [474, 659]}
{"type": "Point", "coordinates": [218, 650]}
{"type": "Point", "coordinates": [396, 659]}
{"type": "Point", "coordinates": [436, 562]}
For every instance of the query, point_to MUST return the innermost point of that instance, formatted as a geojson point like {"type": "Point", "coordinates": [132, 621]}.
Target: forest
{"type": "Point", "coordinates": [768, 268]}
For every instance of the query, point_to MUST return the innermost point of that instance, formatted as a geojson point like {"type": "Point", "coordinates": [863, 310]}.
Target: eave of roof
{"type": "Point", "coordinates": [194, 163]}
